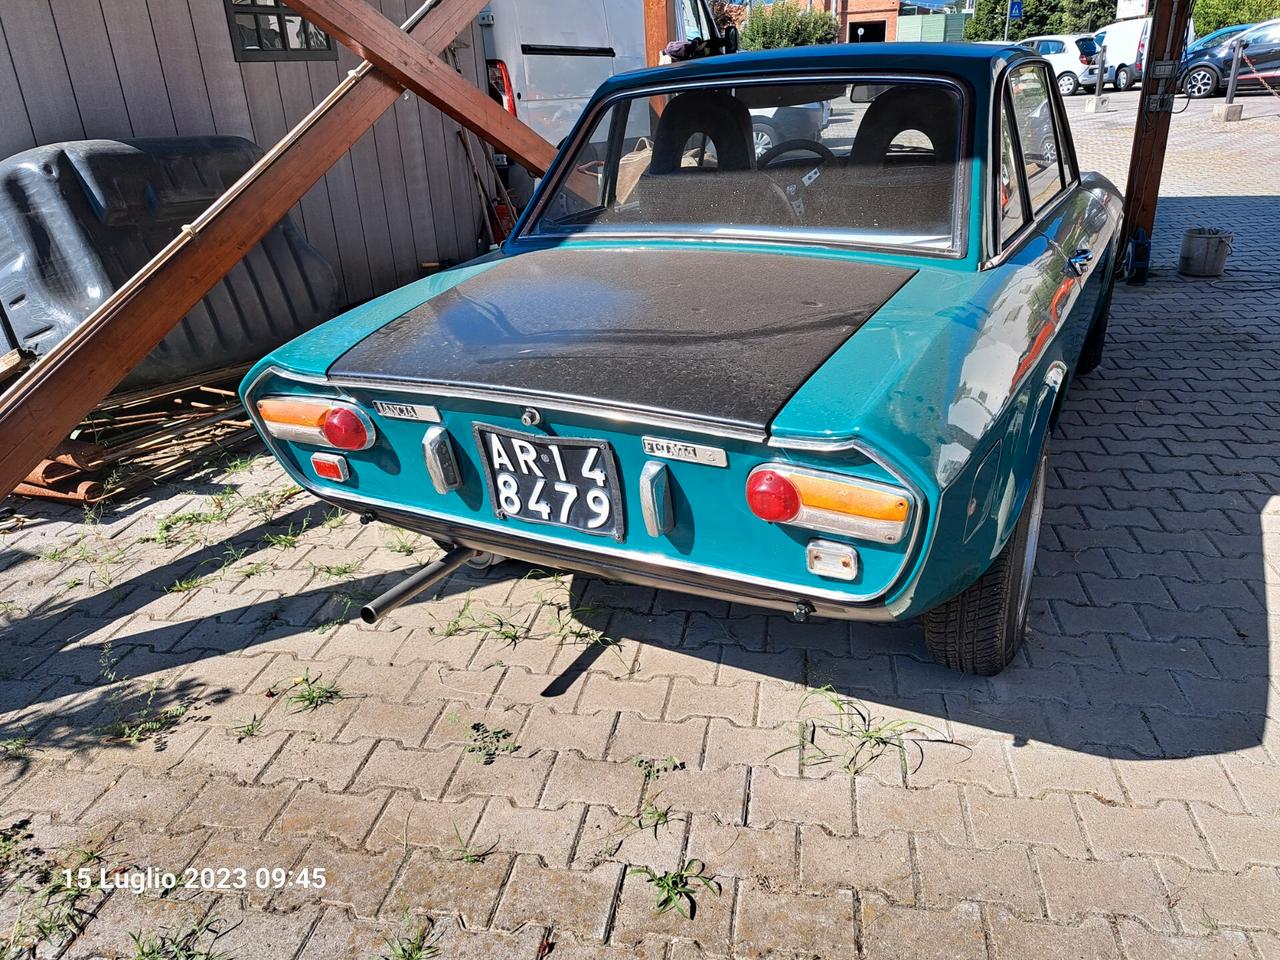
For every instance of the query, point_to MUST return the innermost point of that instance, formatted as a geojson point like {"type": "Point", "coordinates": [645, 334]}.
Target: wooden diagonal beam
{"type": "Point", "coordinates": [359, 26]}
{"type": "Point", "coordinates": [47, 402]}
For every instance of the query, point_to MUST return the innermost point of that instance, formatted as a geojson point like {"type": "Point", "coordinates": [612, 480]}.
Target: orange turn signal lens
{"type": "Point", "coordinates": [833, 503]}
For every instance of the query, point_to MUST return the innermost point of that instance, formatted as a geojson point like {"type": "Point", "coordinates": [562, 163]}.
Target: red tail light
{"type": "Point", "coordinates": [318, 421]}
{"type": "Point", "coordinates": [344, 429]}
{"type": "Point", "coordinates": [1084, 60]}
{"type": "Point", "coordinates": [772, 497]}
{"type": "Point", "coordinates": [500, 85]}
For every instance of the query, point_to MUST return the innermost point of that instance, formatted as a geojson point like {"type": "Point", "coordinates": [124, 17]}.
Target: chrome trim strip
{"type": "Point", "coordinates": [956, 251]}
{"type": "Point", "coordinates": [582, 406]}
{"type": "Point", "coordinates": [658, 561]}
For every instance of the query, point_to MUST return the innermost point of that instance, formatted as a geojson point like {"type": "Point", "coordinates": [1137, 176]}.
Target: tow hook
{"type": "Point", "coordinates": [802, 612]}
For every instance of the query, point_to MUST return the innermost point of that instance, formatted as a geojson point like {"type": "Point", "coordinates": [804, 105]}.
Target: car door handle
{"type": "Point", "coordinates": [1078, 262]}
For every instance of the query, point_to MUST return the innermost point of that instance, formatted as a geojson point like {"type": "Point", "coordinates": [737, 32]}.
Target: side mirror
{"type": "Point", "coordinates": [731, 39]}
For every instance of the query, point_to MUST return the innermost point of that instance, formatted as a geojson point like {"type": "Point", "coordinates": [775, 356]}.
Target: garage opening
{"type": "Point", "coordinates": [867, 31]}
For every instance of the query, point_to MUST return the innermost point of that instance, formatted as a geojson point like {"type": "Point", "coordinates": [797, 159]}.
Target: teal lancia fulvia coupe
{"type": "Point", "coordinates": [819, 377]}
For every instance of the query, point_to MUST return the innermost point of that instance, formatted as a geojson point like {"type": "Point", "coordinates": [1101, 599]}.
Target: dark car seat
{"type": "Point", "coordinates": [916, 191]}
{"type": "Point", "coordinates": [724, 193]}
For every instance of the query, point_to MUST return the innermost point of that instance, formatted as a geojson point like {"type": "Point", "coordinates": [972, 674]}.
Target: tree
{"type": "Point", "coordinates": [1212, 15]}
{"type": "Point", "coordinates": [783, 24]}
{"type": "Point", "coordinates": [1041, 17]}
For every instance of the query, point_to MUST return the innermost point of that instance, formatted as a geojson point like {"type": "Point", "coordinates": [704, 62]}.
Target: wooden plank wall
{"type": "Point", "coordinates": [404, 195]}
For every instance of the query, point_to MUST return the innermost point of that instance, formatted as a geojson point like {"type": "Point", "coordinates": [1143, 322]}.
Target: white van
{"type": "Point", "coordinates": [546, 57]}
{"type": "Point", "coordinates": [1126, 46]}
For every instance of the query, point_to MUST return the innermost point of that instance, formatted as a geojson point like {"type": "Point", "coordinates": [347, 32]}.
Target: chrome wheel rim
{"type": "Point", "coordinates": [1199, 83]}
{"type": "Point", "coordinates": [762, 141]}
{"type": "Point", "coordinates": [1036, 506]}
{"type": "Point", "coordinates": [1066, 83]}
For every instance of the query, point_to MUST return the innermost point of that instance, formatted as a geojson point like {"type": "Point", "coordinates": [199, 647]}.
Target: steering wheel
{"type": "Point", "coordinates": [792, 194]}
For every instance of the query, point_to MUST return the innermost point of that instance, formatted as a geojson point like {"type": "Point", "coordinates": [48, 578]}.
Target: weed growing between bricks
{"type": "Point", "coordinates": [850, 736]}
{"type": "Point", "coordinates": [678, 890]}
{"type": "Point", "coordinates": [191, 942]}
{"type": "Point", "coordinates": [488, 743]}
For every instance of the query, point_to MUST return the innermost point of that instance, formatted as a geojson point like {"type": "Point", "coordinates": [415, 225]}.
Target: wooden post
{"type": "Point", "coordinates": [659, 28]}
{"type": "Point", "coordinates": [47, 402]}
{"type": "Point", "coordinates": [1165, 43]}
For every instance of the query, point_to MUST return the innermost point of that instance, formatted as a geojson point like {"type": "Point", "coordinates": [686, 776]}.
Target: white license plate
{"type": "Point", "coordinates": [563, 481]}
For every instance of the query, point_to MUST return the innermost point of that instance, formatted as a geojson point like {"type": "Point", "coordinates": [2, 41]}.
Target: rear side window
{"type": "Point", "coordinates": [1052, 46]}
{"type": "Point", "coordinates": [1037, 134]}
{"type": "Point", "coordinates": [1009, 189]}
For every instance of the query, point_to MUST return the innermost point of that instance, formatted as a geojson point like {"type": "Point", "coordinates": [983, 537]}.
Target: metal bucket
{"type": "Point", "coordinates": [1204, 251]}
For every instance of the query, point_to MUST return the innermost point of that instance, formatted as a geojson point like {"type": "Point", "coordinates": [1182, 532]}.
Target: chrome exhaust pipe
{"type": "Point", "coordinates": [407, 589]}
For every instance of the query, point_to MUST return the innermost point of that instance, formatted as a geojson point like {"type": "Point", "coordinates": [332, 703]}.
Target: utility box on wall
{"type": "Point", "coordinates": [933, 27]}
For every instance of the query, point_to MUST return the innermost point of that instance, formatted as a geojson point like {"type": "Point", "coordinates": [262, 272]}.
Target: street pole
{"type": "Point", "coordinates": [1235, 72]}
{"type": "Point", "coordinates": [1007, 5]}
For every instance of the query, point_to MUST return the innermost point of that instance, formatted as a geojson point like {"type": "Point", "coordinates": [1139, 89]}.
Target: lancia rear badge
{"type": "Point", "coordinates": [407, 411]}
{"type": "Point", "coordinates": [689, 452]}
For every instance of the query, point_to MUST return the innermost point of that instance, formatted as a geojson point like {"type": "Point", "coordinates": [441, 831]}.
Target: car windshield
{"type": "Point", "coordinates": [868, 163]}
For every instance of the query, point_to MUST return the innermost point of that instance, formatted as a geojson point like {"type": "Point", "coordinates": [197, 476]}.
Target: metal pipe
{"type": "Point", "coordinates": [406, 590]}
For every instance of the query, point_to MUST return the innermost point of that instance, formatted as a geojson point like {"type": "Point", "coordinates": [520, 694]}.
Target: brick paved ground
{"type": "Point", "coordinates": [1117, 793]}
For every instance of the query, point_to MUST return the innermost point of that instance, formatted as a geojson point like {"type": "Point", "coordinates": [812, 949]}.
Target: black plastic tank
{"type": "Point", "coordinates": [78, 219]}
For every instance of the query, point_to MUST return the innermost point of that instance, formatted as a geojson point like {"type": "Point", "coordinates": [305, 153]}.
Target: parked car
{"type": "Point", "coordinates": [1205, 72]}
{"type": "Point", "coordinates": [1214, 39]}
{"type": "Point", "coordinates": [1126, 43]}
{"type": "Point", "coordinates": [823, 382]}
{"type": "Point", "coordinates": [771, 126]}
{"type": "Point", "coordinates": [1068, 54]}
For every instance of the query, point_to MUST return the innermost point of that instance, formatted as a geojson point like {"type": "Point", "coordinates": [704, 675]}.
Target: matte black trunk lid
{"type": "Point", "coordinates": [711, 335]}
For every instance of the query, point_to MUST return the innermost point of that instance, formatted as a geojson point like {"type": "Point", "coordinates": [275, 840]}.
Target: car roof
{"type": "Point", "coordinates": [980, 63]}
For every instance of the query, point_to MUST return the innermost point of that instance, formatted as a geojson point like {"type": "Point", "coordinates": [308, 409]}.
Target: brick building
{"type": "Point", "coordinates": [877, 19]}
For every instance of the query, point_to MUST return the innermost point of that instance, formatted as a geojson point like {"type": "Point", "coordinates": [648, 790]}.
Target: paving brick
{"type": "Point", "coordinates": [62, 793]}
{"type": "Point", "coordinates": [460, 724]}
{"type": "Point", "coordinates": [1037, 769]}
{"type": "Point", "coordinates": [376, 719]}
{"type": "Point", "coordinates": [548, 833]}
{"type": "Point", "coordinates": [636, 920]}
{"type": "Point", "coordinates": [1142, 944]}
{"type": "Point", "coordinates": [736, 702]}
{"type": "Point", "coordinates": [719, 793]}
{"type": "Point", "coordinates": [424, 771]}
{"type": "Point", "coordinates": [897, 933]}
{"type": "Point", "coordinates": [1048, 821]}
{"type": "Point", "coordinates": [359, 880]}
{"type": "Point", "coordinates": [1256, 783]}
{"type": "Point", "coordinates": [635, 737]}
{"type": "Point", "coordinates": [519, 778]}
{"type": "Point", "coordinates": [229, 805]}
{"type": "Point", "coordinates": [551, 729]}
{"type": "Point", "coordinates": [1014, 938]}
{"type": "Point", "coordinates": [224, 851]}
{"type": "Point", "coordinates": [882, 864]}
{"type": "Point", "coordinates": [728, 745]}
{"type": "Point", "coordinates": [935, 811]}
{"type": "Point", "coordinates": [949, 874]}
{"type": "Point", "coordinates": [331, 764]}
{"type": "Point", "coordinates": [605, 694]}
{"type": "Point", "coordinates": [1249, 899]}
{"type": "Point", "coordinates": [606, 836]}
{"type": "Point", "coordinates": [257, 933]}
{"type": "Point", "coordinates": [616, 785]}
{"type": "Point", "coordinates": [980, 762]}
{"type": "Point", "coordinates": [346, 818]}
{"type": "Point", "coordinates": [1076, 888]}
{"type": "Point", "coordinates": [408, 821]}
{"type": "Point", "coordinates": [827, 801]}
{"type": "Point", "coordinates": [768, 854]}
{"type": "Point", "coordinates": [472, 687]}
{"type": "Point", "coordinates": [429, 884]}
{"type": "Point", "coordinates": [661, 661]}
{"type": "Point", "coordinates": [772, 921]}
{"type": "Point", "coordinates": [1163, 830]}
{"type": "Point", "coordinates": [576, 901]}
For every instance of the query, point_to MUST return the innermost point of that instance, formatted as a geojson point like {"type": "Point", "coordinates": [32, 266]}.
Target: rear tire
{"type": "Point", "coordinates": [1095, 341]}
{"type": "Point", "coordinates": [1124, 79]}
{"type": "Point", "coordinates": [1068, 84]}
{"type": "Point", "coordinates": [764, 137]}
{"type": "Point", "coordinates": [980, 630]}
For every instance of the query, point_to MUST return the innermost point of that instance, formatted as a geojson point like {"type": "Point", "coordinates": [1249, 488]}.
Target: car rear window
{"type": "Point", "coordinates": [873, 163]}
{"type": "Point", "coordinates": [1086, 46]}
